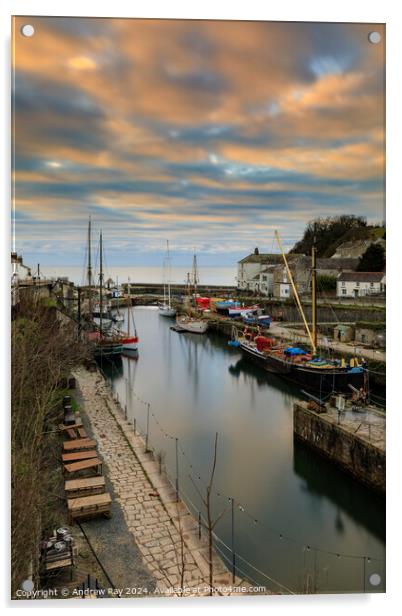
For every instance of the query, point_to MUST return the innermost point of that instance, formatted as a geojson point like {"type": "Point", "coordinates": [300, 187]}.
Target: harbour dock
{"type": "Point", "coordinates": [352, 437]}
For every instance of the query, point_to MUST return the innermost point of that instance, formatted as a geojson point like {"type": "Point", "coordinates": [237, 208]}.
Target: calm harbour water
{"type": "Point", "coordinates": [296, 516]}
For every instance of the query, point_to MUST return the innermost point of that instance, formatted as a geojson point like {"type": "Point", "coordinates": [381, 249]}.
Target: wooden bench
{"type": "Point", "coordinates": [79, 443]}
{"type": "Point", "coordinates": [74, 488]}
{"type": "Point", "coordinates": [79, 455]}
{"type": "Point", "coordinates": [93, 464]}
{"type": "Point", "coordinates": [71, 433]}
{"type": "Point", "coordinates": [87, 507]}
{"type": "Point", "coordinates": [82, 433]}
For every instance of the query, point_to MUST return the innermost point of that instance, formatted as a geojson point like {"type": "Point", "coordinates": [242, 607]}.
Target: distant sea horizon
{"type": "Point", "coordinates": [145, 274]}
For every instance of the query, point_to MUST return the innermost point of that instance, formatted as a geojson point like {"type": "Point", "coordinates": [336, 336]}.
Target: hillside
{"type": "Point", "coordinates": [357, 239]}
{"type": "Point", "coordinates": [345, 236]}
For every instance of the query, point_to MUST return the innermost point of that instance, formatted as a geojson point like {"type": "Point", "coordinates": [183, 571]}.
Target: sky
{"type": "Point", "coordinates": [208, 134]}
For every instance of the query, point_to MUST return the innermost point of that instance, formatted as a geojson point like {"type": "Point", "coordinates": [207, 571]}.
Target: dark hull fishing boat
{"type": "Point", "coordinates": [315, 374]}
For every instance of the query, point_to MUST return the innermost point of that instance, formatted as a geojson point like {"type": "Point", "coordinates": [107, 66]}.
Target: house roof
{"type": "Point", "coordinates": [341, 263]}
{"type": "Point", "coordinates": [361, 276]}
{"type": "Point", "coordinates": [270, 259]}
{"type": "Point", "coordinates": [265, 258]}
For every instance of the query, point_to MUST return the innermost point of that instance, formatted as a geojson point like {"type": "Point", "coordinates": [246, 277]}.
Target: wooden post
{"type": "Point", "coordinates": [199, 525]}
{"type": "Point", "coordinates": [135, 427]}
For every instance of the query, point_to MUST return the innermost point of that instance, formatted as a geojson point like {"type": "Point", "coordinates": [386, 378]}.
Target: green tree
{"type": "Point", "coordinates": [373, 260]}
{"type": "Point", "coordinates": [327, 231]}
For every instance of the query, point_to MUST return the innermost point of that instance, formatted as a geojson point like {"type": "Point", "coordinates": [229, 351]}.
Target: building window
{"type": "Point", "coordinates": [358, 284]}
{"type": "Point", "coordinates": [343, 283]}
{"type": "Point", "coordinates": [371, 284]}
{"type": "Point", "coordinates": [343, 291]}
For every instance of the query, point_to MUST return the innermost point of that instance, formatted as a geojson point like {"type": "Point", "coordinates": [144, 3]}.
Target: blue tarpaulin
{"type": "Point", "coordinates": [295, 351]}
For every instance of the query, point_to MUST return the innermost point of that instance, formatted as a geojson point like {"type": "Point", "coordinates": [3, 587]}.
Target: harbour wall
{"type": "Point", "coordinates": [359, 458]}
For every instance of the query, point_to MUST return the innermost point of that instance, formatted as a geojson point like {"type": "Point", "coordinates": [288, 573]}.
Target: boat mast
{"type": "Point", "coordinates": [164, 281]}
{"type": "Point", "coordinates": [313, 344]}
{"type": "Point", "coordinates": [89, 268]}
{"type": "Point", "coordinates": [129, 308]}
{"type": "Point", "coordinates": [195, 275]}
{"type": "Point", "coordinates": [118, 299]}
{"type": "Point", "coordinates": [168, 273]}
{"type": "Point", "coordinates": [314, 293]}
{"type": "Point", "coordinates": [100, 282]}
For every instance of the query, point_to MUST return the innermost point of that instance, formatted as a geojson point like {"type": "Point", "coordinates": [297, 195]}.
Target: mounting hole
{"type": "Point", "coordinates": [375, 579]}
{"type": "Point", "coordinates": [27, 585]}
{"type": "Point", "coordinates": [27, 30]}
{"type": "Point", "coordinates": [374, 37]}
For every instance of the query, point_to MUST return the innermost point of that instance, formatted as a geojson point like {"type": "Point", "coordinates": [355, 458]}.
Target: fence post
{"type": "Point", "coordinates": [177, 469]}
{"type": "Point", "coordinates": [233, 546]}
{"type": "Point", "coordinates": [147, 434]}
{"type": "Point", "coordinates": [199, 525]}
{"type": "Point", "coordinates": [135, 427]}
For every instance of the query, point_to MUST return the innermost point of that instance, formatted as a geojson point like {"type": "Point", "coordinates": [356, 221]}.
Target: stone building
{"type": "Point", "coordinates": [255, 272]}
{"type": "Point", "coordinates": [300, 266]}
{"type": "Point", "coordinates": [265, 273]}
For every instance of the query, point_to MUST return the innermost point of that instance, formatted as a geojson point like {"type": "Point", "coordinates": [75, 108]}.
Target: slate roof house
{"type": "Point", "coordinates": [360, 284]}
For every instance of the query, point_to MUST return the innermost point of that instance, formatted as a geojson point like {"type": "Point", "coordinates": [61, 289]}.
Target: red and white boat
{"type": "Point", "coordinates": [129, 339]}
{"type": "Point", "coordinates": [240, 311]}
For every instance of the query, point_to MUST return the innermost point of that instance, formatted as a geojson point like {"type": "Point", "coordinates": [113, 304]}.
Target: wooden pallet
{"type": "Point", "coordinates": [58, 564]}
{"type": "Point", "coordinates": [82, 433]}
{"type": "Point", "coordinates": [79, 443]}
{"type": "Point", "coordinates": [87, 507]}
{"type": "Point", "coordinates": [93, 464]}
{"type": "Point", "coordinates": [78, 424]}
{"type": "Point", "coordinates": [71, 433]}
{"type": "Point", "coordinates": [86, 486]}
{"type": "Point", "coordinates": [79, 455]}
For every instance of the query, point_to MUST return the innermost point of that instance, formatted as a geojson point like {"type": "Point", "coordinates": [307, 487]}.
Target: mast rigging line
{"type": "Point", "coordinates": [296, 295]}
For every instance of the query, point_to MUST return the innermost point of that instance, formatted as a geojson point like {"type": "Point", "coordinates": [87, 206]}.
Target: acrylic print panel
{"type": "Point", "coordinates": [198, 308]}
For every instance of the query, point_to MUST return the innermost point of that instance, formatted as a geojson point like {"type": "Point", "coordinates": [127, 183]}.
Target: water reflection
{"type": "Point", "coordinates": [347, 494]}
{"type": "Point", "coordinates": [197, 386]}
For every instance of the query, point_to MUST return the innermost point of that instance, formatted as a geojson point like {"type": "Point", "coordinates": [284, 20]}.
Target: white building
{"type": "Point", "coordinates": [360, 284]}
{"type": "Point", "coordinates": [20, 271]}
{"type": "Point", "coordinates": [255, 272]}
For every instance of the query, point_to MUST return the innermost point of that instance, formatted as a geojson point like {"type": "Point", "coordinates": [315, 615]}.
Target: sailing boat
{"type": "Point", "coordinates": [118, 317]}
{"type": "Point", "coordinates": [186, 322]}
{"type": "Point", "coordinates": [99, 311]}
{"type": "Point", "coordinates": [165, 309]}
{"type": "Point", "coordinates": [107, 342]}
{"type": "Point", "coordinates": [129, 340]}
{"type": "Point", "coordinates": [298, 365]}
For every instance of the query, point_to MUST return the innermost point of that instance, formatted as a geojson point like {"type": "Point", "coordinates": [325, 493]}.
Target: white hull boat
{"type": "Point", "coordinates": [189, 324]}
{"type": "Point", "coordinates": [106, 323]}
{"type": "Point", "coordinates": [166, 311]}
{"type": "Point", "coordinates": [118, 318]}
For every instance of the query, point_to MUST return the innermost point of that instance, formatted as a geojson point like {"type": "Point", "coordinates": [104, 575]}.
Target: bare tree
{"type": "Point", "coordinates": [210, 523]}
